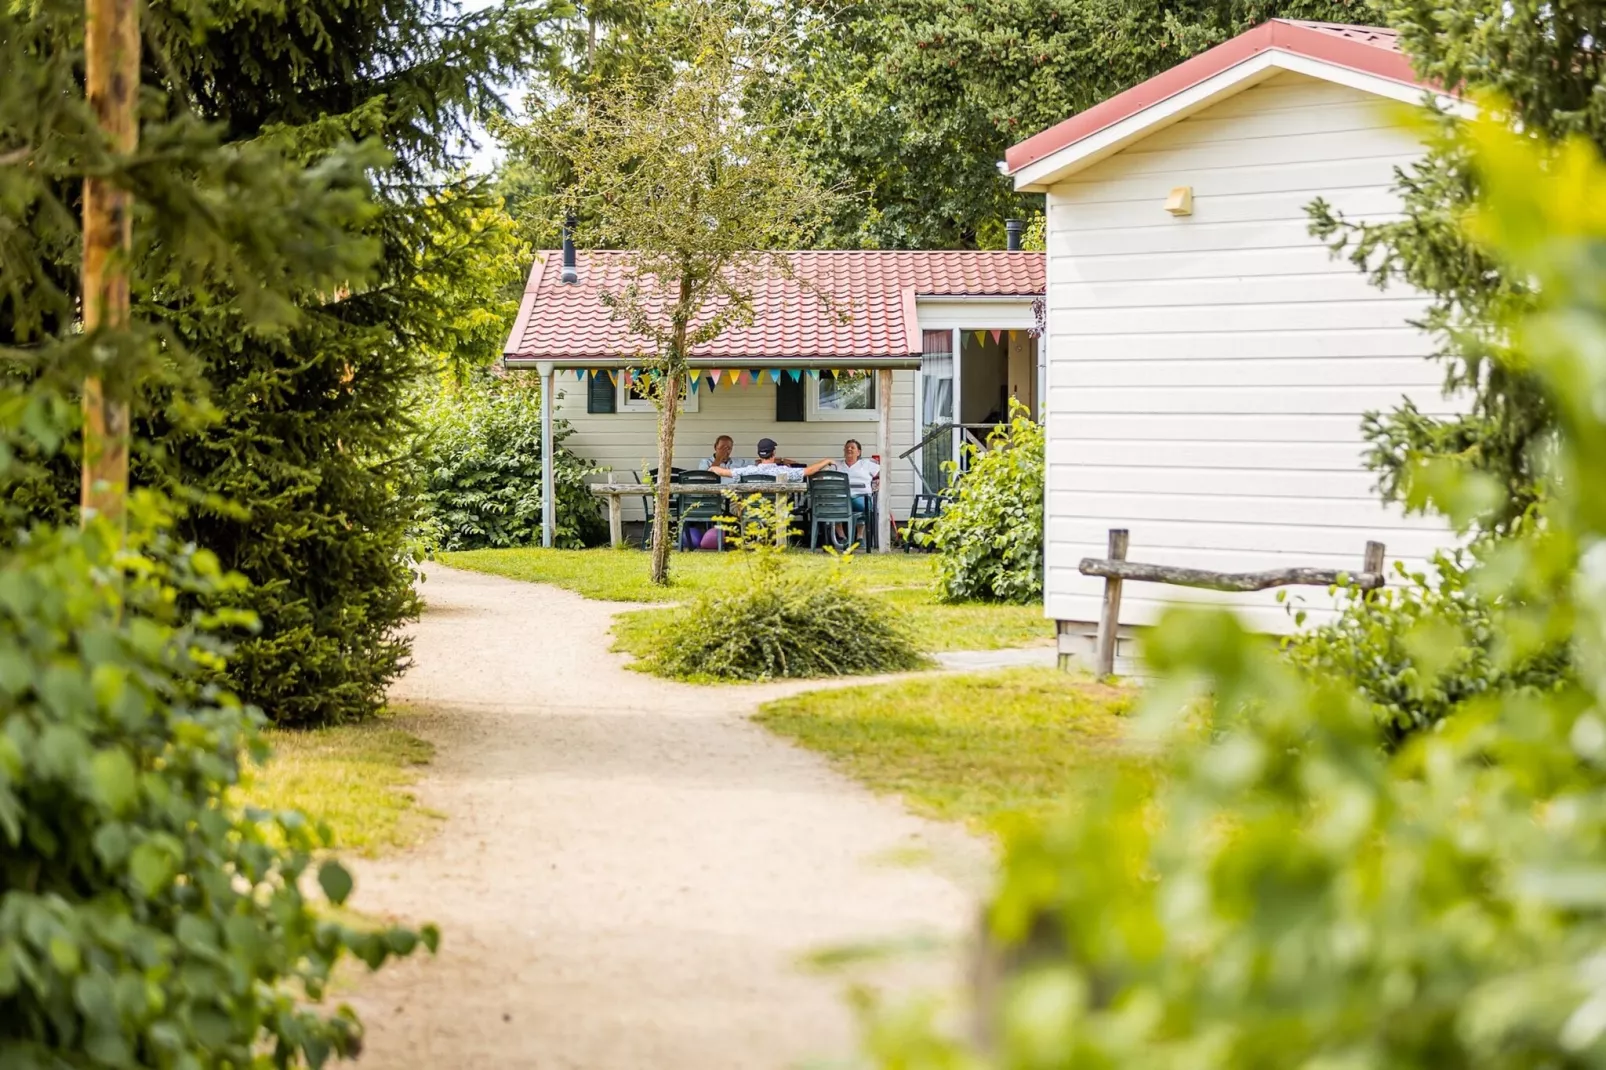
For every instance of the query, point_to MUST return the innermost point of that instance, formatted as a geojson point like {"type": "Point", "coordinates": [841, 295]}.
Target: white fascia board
{"type": "Point", "coordinates": [1038, 175]}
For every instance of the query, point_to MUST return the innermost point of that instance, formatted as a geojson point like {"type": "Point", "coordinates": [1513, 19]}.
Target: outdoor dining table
{"type": "Point", "coordinates": [617, 492]}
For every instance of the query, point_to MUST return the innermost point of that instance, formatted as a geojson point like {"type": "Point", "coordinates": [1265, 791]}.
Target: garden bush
{"type": "Point", "coordinates": [1288, 893]}
{"type": "Point", "coordinates": [989, 540]}
{"type": "Point", "coordinates": [1418, 650]}
{"type": "Point", "coordinates": [480, 451]}
{"type": "Point", "coordinates": [778, 622]}
{"type": "Point", "coordinates": [143, 922]}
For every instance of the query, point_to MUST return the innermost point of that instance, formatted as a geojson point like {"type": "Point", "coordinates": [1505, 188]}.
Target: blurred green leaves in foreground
{"type": "Point", "coordinates": [1294, 893]}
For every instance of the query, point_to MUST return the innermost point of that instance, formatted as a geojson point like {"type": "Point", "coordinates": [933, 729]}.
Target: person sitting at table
{"type": "Point", "coordinates": [723, 445]}
{"type": "Point", "coordinates": [782, 470]}
{"type": "Point", "coordinates": [862, 473]}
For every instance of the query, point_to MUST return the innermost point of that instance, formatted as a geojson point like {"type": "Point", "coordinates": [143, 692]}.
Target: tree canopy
{"type": "Point", "coordinates": [913, 102]}
{"type": "Point", "coordinates": [677, 167]}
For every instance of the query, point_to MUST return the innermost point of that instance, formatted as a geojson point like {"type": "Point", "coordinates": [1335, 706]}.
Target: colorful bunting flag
{"type": "Point", "coordinates": [981, 338]}
{"type": "Point", "coordinates": [997, 334]}
{"type": "Point", "coordinates": [714, 374]}
{"type": "Point", "coordinates": [796, 374]}
{"type": "Point", "coordinates": [814, 373]}
{"type": "Point", "coordinates": [612, 377]}
{"type": "Point", "coordinates": [775, 375]}
{"type": "Point", "coordinates": [696, 380]}
{"type": "Point", "coordinates": [735, 376]}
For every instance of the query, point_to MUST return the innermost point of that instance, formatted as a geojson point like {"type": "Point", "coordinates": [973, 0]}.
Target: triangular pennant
{"type": "Point", "coordinates": [613, 377]}
{"type": "Point", "coordinates": [580, 373]}
{"type": "Point", "coordinates": [814, 373]}
{"type": "Point", "coordinates": [752, 376]}
{"type": "Point", "coordinates": [714, 374]}
{"type": "Point", "coordinates": [981, 338]}
{"type": "Point", "coordinates": [996, 334]}
{"type": "Point", "coordinates": [735, 375]}
{"type": "Point", "coordinates": [775, 375]}
{"type": "Point", "coordinates": [695, 382]}
{"type": "Point", "coordinates": [796, 374]}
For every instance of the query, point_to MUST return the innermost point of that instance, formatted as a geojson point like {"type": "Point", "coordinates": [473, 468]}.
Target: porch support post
{"type": "Point", "coordinates": [883, 504]}
{"type": "Point", "coordinates": [549, 525]}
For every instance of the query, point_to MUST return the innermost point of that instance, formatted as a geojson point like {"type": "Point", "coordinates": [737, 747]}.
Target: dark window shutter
{"type": "Point", "coordinates": [789, 401]}
{"type": "Point", "coordinates": [601, 394]}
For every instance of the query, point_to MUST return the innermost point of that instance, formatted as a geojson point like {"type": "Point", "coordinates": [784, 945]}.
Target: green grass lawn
{"type": "Point", "coordinates": [355, 777]}
{"type": "Point", "coordinates": [984, 748]}
{"type": "Point", "coordinates": [905, 580]}
{"type": "Point", "coordinates": [621, 575]}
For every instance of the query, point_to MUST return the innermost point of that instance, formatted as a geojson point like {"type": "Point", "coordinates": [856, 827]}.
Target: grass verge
{"type": "Point", "coordinates": [355, 777]}
{"type": "Point", "coordinates": [904, 580]}
{"type": "Point", "coordinates": [984, 748]}
{"type": "Point", "coordinates": [621, 575]}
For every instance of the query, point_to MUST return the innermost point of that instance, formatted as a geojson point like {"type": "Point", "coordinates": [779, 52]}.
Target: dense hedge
{"type": "Point", "coordinates": [143, 921]}
{"type": "Point", "coordinates": [480, 451]}
{"type": "Point", "coordinates": [989, 539]}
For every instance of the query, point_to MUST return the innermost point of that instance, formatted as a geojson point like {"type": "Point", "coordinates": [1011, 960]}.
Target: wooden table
{"type": "Point", "coordinates": [617, 492]}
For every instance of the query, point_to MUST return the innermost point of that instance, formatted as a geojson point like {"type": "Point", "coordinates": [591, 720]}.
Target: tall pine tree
{"type": "Point", "coordinates": [302, 481]}
{"type": "Point", "coordinates": [1542, 58]}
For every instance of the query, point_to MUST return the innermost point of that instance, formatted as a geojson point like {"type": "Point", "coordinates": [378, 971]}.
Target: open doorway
{"type": "Point", "coordinates": [995, 366]}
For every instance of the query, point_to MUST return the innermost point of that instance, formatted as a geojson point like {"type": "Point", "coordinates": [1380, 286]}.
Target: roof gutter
{"type": "Point", "coordinates": [515, 362]}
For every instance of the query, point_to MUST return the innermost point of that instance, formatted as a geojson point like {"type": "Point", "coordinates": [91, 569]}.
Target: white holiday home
{"type": "Point", "coordinates": [1208, 360]}
{"type": "Point", "coordinates": [951, 333]}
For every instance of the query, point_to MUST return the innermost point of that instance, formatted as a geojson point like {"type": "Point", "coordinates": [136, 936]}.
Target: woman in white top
{"type": "Point", "coordinates": [862, 473]}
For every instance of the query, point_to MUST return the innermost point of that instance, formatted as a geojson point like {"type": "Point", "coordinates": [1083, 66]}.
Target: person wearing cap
{"type": "Point", "coordinates": [768, 465]}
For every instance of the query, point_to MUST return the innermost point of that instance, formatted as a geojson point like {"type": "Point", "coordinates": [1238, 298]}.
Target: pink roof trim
{"type": "Point", "coordinates": [1368, 49]}
{"type": "Point", "coordinates": [873, 314]}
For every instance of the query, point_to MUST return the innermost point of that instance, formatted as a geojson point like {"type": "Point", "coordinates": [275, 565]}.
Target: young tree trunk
{"type": "Point", "coordinates": [111, 62]}
{"type": "Point", "coordinates": [667, 413]}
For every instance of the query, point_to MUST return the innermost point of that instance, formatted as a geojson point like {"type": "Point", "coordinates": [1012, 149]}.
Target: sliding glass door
{"type": "Point", "coordinates": [936, 407]}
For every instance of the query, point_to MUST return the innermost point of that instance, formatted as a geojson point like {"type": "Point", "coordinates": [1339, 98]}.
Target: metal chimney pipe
{"type": "Point", "coordinates": [1013, 229]}
{"type": "Point", "coordinates": [571, 271]}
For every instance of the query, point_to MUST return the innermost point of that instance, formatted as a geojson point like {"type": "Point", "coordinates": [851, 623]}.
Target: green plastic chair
{"type": "Point", "coordinates": [699, 508]}
{"type": "Point", "coordinates": [830, 502]}
{"type": "Point", "coordinates": [648, 501]}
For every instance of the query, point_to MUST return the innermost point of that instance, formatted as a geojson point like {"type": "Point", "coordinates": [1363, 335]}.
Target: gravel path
{"type": "Point", "coordinates": [630, 871]}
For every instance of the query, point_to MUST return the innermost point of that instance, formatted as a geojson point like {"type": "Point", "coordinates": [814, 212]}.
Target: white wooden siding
{"type": "Point", "coordinates": [1207, 375]}
{"type": "Point", "coordinates": [628, 441]}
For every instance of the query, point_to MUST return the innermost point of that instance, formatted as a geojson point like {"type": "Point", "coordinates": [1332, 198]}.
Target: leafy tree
{"type": "Point", "coordinates": [915, 101]}
{"type": "Point", "coordinates": [677, 169]}
{"type": "Point", "coordinates": [1290, 894]}
{"type": "Point", "coordinates": [1545, 62]}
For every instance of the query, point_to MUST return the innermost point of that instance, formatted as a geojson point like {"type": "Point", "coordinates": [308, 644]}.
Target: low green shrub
{"type": "Point", "coordinates": [480, 451]}
{"type": "Point", "coordinates": [989, 539]}
{"type": "Point", "coordinates": [1418, 650]}
{"type": "Point", "coordinates": [143, 920]}
{"type": "Point", "coordinates": [781, 622]}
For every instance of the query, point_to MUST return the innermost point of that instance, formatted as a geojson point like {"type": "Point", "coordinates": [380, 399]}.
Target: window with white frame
{"type": "Point", "coordinates": [842, 396]}
{"type": "Point", "coordinates": [634, 397]}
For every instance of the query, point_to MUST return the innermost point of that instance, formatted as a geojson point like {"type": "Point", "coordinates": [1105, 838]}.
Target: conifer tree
{"type": "Point", "coordinates": [291, 447]}
{"type": "Point", "coordinates": [1543, 58]}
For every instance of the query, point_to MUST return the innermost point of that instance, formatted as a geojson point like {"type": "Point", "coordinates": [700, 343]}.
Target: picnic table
{"type": "Point", "coordinates": [617, 492]}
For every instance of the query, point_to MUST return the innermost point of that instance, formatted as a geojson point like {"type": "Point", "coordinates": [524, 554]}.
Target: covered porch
{"type": "Point", "coordinates": [776, 397]}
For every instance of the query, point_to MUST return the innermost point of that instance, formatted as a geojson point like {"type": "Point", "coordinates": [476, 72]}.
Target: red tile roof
{"type": "Point", "coordinates": [1368, 49]}
{"type": "Point", "coordinates": [873, 295]}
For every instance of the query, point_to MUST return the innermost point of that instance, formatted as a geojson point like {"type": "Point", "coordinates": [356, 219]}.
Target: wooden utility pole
{"type": "Point", "coordinates": [111, 67]}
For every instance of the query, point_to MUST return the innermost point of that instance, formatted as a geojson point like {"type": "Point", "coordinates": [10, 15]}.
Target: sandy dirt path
{"type": "Point", "coordinates": [629, 871]}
